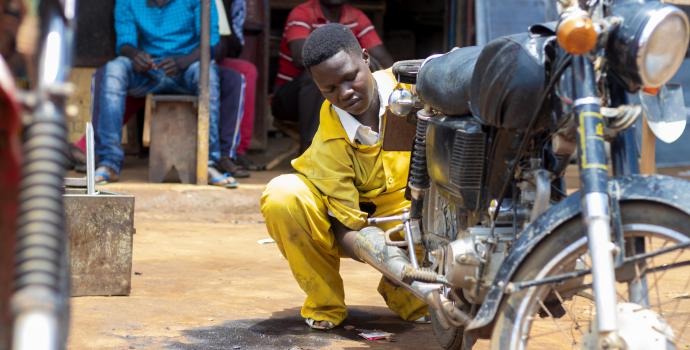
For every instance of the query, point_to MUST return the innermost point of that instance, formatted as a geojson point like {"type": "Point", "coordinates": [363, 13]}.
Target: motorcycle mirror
{"type": "Point", "coordinates": [401, 101]}
{"type": "Point", "coordinates": [665, 111]}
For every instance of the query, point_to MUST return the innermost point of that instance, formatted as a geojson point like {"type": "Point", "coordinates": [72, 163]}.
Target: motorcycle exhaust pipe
{"type": "Point", "coordinates": [370, 247]}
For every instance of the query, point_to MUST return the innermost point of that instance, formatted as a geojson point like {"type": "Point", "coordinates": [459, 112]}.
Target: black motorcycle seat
{"type": "Point", "coordinates": [444, 81]}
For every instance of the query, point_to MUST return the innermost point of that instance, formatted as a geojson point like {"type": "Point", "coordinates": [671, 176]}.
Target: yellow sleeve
{"type": "Point", "coordinates": [329, 168]}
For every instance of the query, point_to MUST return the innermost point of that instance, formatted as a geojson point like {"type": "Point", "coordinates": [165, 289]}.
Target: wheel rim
{"type": "Point", "coordinates": [570, 329]}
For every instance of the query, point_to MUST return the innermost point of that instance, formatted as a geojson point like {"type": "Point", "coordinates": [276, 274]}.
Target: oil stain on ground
{"type": "Point", "coordinates": [286, 330]}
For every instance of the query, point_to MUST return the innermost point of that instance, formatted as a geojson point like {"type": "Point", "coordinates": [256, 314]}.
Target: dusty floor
{"type": "Point", "coordinates": [202, 281]}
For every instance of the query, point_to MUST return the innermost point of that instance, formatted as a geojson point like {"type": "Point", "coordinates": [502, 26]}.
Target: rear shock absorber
{"type": "Point", "coordinates": [418, 181]}
{"type": "Point", "coordinates": [41, 281]}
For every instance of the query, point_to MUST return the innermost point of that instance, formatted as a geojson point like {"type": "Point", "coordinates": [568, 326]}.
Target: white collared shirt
{"type": "Point", "coordinates": [356, 131]}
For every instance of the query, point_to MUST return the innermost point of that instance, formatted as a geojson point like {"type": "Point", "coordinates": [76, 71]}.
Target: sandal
{"type": "Point", "coordinates": [104, 175]}
{"type": "Point", "coordinates": [319, 325]}
{"type": "Point", "coordinates": [216, 178]}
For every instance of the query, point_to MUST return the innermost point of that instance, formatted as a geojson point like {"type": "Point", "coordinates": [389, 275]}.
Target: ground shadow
{"type": "Point", "coordinates": [286, 330]}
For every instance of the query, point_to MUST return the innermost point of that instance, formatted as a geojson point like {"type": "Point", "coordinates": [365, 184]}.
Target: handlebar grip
{"type": "Point", "coordinates": [406, 71]}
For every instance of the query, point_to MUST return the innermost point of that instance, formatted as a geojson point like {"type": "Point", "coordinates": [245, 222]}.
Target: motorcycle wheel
{"type": "Point", "coordinates": [451, 338]}
{"type": "Point", "coordinates": [524, 319]}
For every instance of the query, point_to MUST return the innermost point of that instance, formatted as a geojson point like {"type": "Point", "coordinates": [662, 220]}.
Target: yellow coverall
{"type": "Point", "coordinates": [334, 177]}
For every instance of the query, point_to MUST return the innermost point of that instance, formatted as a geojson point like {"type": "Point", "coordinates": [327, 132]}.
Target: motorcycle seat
{"type": "Point", "coordinates": [445, 81]}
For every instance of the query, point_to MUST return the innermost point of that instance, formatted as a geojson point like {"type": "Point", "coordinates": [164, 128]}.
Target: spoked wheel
{"type": "Point", "coordinates": [653, 293]}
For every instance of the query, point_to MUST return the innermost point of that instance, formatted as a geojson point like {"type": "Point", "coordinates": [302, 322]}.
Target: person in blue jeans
{"type": "Point", "coordinates": [158, 46]}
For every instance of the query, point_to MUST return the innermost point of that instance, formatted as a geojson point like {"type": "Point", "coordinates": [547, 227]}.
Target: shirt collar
{"type": "Point", "coordinates": [385, 85]}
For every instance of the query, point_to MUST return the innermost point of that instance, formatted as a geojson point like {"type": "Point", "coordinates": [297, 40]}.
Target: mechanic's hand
{"type": "Point", "coordinates": [142, 62]}
{"type": "Point", "coordinates": [169, 66]}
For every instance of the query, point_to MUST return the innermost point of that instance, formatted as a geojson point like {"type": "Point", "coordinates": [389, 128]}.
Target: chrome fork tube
{"type": "Point", "coordinates": [594, 178]}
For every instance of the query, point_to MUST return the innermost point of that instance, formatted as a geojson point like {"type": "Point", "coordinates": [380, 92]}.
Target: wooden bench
{"type": "Point", "coordinates": [170, 132]}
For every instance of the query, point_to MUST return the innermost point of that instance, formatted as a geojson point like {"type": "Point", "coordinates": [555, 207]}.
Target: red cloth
{"type": "Point", "coordinates": [308, 16]}
{"type": "Point", "coordinates": [132, 105]}
{"type": "Point", "coordinates": [248, 70]}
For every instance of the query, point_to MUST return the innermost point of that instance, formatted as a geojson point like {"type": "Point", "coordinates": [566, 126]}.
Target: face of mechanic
{"type": "Point", "coordinates": [346, 81]}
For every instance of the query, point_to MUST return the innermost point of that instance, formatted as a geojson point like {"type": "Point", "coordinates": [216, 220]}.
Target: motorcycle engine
{"type": "Point", "coordinates": [465, 256]}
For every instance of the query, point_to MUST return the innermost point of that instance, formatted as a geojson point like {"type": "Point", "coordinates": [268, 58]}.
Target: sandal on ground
{"type": "Point", "coordinates": [320, 325]}
{"type": "Point", "coordinates": [104, 175]}
{"type": "Point", "coordinates": [216, 178]}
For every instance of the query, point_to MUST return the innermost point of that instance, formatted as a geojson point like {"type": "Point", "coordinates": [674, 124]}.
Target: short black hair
{"type": "Point", "coordinates": [326, 41]}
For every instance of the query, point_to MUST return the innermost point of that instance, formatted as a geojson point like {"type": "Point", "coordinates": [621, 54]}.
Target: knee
{"type": "Point", "coordinates": [248, 69]}
{"type": "Point", "coordinates": [282, 194]}
{"type": "Point", "coordinates": [116, 74]}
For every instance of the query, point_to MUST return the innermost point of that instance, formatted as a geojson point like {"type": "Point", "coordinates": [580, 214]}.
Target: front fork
{"type": "Point", "coordinates": [594, 178]}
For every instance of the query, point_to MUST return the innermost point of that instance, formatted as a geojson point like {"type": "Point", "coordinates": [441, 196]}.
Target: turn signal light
{"type": "Point", "coordinates": [651, 90]}
{"type": "Point", "coordinates": [576, 35]}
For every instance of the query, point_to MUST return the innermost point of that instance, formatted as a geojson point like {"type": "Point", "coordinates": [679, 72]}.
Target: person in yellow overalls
{"type": "Point", "coordinates": [342, 178]}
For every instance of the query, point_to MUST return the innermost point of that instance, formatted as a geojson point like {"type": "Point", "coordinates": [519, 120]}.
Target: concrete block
{"type": "Point", "coordinates": [100, 228]}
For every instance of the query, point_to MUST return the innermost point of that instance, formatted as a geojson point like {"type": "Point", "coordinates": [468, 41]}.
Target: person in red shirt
{"type": "Point", "coordinates": [296, 98]}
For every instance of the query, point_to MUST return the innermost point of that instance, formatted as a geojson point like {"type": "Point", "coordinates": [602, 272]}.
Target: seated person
{"type": "Point", "coordinates": [314, 215]}
{"type": "Point", "coordinates": [158, 43]}
{"type": "Point", "coordinates": [296, 98]}
{"type": "Point", "coordinates": [235, 128]}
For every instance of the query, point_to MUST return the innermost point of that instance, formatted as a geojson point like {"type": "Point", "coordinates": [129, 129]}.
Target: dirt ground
{"type": "Point", "coordinates": [202, 281]}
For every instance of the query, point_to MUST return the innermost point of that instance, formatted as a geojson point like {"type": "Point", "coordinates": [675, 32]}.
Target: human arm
{"type": "Point", "coordinates": [345, 238]}
{"type": "Point", "coordinates": [296, 51]}
{"type": "Point", "coordinates": [126, 34]}
{"type": "Point", "coordinates": [297, 29]}
{"type": "Point", "coordinates": [369, 39]}
{"type": "Point", "coordinates": [174, 65]}
{"type": "Point", "coordinates": [382, 57]}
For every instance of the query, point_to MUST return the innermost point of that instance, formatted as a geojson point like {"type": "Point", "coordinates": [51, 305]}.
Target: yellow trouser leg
{"type": "Point", "coordinates": [401, 301]}
{"type": "Point", "coordinates": [297, 219]}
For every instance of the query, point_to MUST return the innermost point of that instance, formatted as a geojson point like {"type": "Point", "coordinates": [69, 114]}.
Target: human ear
{"type": "Point", "coordinates": [365, 56]}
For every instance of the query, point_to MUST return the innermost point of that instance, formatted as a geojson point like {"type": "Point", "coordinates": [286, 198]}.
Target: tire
{"type": "Point", "coordinates": [514, 320]}
{"type": "Point", "coordinates": [448, 338]}
{"type": "Point", "coordinates": [452, 338]}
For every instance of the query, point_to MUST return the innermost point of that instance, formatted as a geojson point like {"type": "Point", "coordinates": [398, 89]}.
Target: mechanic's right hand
{"type": "Point", "coordinates": [142, 62]}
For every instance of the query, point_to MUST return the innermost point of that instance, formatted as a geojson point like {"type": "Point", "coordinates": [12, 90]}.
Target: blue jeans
{"type": "Point", "coordinates": [119, 80]}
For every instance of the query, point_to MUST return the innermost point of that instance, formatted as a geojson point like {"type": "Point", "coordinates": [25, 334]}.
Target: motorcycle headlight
{"type": "Point", "coordinates": [649, 45]}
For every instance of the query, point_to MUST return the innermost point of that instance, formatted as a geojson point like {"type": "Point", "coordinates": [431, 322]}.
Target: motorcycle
{"type": "Point", "coordinates": [34, 263]}
{"type": "Point", "coordinates": [493, 241]}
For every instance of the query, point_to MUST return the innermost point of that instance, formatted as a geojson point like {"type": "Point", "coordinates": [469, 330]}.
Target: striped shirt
{"type": "Point", "coordinates": [308, 16]}
{"type": "Point", "coordinates": [173, 29]}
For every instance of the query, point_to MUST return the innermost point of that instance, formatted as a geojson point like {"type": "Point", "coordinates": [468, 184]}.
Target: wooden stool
{"type": "Point", "coordinates": [170, 131]}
